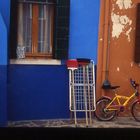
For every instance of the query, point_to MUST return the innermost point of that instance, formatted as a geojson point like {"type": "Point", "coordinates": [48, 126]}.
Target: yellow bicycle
{"type": "Point", "coordinates": [107, 108]}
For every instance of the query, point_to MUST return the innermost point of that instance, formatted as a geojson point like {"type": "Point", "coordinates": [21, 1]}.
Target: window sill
{"type": "Point", "coordinates": [35, 62]}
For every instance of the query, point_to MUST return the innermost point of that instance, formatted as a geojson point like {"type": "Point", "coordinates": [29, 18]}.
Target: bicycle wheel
{"type": "Point", "coordinates": [102, 114]}
{"type": "Point", "coordinates": [135, 110]}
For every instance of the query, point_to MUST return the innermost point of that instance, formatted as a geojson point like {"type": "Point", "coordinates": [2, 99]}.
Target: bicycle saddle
{"type": "Point", "coordinates": [110, 87]}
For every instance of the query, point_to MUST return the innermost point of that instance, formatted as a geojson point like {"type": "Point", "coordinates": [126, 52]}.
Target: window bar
{"type": "Point", "coordinates": [41, 29]}
{"type": "Point", "coordinates": [46, 28]}
{"type": "Point", "coordinates": [49, 30]}
{"type": "Point", "coordinates": [51, 23]}
{"type": "Point", "coordinates": [36, 2]}
{"type": "Point", "coordinates": [35, 27]}
{"type": "Point", "coordinates": [28, 28]}
{"type": "Point", "coordinates": [20, 24]}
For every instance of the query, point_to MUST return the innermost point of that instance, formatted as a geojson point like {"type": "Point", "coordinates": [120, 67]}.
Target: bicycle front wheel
{"type": "Point", "coordinates": [135, 110]}
{"type": "Point", "coordinates": [101, 113]}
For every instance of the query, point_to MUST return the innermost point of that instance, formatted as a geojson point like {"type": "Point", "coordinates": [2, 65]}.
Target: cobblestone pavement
{"type": "Point", "coordinates": [121, 122]}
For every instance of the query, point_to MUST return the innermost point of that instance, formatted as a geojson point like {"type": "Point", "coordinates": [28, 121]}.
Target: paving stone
{"type": "Point", "coordinates": [121, 122]}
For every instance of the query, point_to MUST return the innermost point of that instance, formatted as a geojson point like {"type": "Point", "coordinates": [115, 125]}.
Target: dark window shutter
{"type": "Point", "coordinates": [13, 30]}
{"type": "Point", "coordinates": [61, 29]}
{"type": "Point", "coordinates": [137, 37]}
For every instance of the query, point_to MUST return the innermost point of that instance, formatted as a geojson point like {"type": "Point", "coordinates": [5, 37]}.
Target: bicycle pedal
{"type": "Point", "coordinates": [122, 109]}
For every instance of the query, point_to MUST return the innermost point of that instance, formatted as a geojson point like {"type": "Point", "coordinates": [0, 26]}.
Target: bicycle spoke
{"type": "Point", "coordinates": [136, 111]}
{"type": "Point", "coordinates": [103, 114]}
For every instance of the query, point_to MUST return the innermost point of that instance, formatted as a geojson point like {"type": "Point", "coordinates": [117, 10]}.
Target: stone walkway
{"type": "Point", "coordinates": [121, 122]}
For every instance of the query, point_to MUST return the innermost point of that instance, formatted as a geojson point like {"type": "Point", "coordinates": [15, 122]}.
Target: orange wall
{"type": "Point", "coordinates": [117, 24]}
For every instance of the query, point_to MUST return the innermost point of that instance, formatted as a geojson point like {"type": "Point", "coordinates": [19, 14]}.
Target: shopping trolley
{"type": "Point", "coordinates": [82, 88]}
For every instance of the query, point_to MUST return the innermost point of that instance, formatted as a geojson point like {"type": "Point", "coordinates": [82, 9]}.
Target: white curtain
{"type": "Point", "coordinates": [25, 27]}
{"type": "Point", "coordinates": [44, 29]}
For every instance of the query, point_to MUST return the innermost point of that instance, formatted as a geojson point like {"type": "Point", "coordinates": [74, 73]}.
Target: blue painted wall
{"type": "Point", "coordinates": [41, 92]}
{"type": "Point", "coordinates": [38, 92]}
{"type": "Point", "coordinates": [5, 11]}
{"type": "Point", "coordinates": [3, 72]}
{"type": "Point", "coordinates": [84, 21]}
{"type": "Point", "coordinates": [84, 28]}
{"type": "Point", "coordinates": [4, 29]}
{"type": "Point", "coordinates": [3, 42]}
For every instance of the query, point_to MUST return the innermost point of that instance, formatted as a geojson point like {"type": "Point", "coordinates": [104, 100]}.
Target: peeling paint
{"type": "Point", "coordinates": [124, 4]}
{"type": "Point", "coordinates": [128, 34]}
{"type": "Point", "coordinates": [132, 64]}
{"type": "Point", "coordinates": [118, 69]}
{"type": "Point", "coordinates": [101, 39]}
{"type": "Point", "coordinates": [113, 7]}
{"type": "Point", "coordinates": [119, 24]}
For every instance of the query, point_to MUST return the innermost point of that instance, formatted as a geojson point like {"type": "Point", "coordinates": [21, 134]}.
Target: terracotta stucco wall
{"type": "Point", "coordinates": [117, 37]}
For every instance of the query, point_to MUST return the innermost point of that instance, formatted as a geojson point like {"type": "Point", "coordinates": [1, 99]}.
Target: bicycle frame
{"type": "Point", "coordinates": [118, 98]}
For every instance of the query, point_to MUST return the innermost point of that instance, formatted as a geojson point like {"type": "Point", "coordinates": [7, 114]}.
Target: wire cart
{"type": "Point", "coordinates": [82, 88]}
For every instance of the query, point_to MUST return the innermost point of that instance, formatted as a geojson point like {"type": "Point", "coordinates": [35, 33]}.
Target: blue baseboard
{"type": "Point", "coordinates": [3, 96]}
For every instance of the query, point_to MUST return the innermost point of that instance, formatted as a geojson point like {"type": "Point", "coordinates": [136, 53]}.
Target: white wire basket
{"type": "Point", "coordinates": [82, 88]}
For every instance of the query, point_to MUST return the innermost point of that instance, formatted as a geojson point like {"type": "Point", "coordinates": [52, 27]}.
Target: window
{"type": "Point", "coordinates": [35, 30]}
{"type": "Point", "coordinates": [41, 29]}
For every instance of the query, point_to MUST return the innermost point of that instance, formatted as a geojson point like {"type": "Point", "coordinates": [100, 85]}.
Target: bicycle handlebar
{"type": "Point", "coordinates": [133, 83]}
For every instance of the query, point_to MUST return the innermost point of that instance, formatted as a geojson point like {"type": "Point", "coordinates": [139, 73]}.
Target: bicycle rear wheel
{"type": "Point", "coordinates": [101, 113]}
{"type": "Point", "coordinates": [135, 110]}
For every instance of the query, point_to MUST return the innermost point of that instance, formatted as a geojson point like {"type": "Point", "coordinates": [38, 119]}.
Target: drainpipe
{"type": "Point", "coordinates": [106, 44]}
